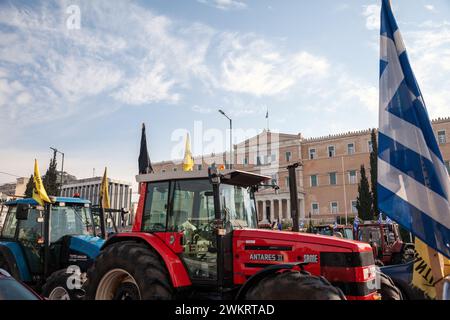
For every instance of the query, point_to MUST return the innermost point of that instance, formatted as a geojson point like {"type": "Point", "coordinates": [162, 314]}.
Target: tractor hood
{"type": "Point", "coordinates": [304, 238]}
{"type": "Point", "coordinates": [345, 263]}
{"type": "Point", "coordinates": [86, 245]}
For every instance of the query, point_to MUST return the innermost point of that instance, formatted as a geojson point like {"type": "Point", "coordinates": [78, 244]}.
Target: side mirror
{"type": "Point", "coordinates": [22, 211]}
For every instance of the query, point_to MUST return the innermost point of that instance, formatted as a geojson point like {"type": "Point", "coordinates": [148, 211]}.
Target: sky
{"type": "Point", "coordinates": [82, 76]}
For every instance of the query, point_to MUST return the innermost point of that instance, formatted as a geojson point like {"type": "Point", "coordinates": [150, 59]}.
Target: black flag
{"type": "Point", "coordinates": [145, 166]}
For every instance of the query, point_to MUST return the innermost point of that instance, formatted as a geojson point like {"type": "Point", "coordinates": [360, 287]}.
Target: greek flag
{"type": "Point", "coordinates": [355, 223]}
{"type": "Point", "coordinates": [413, 185]}
{"type": "Point", "coordinates": [380, 218]}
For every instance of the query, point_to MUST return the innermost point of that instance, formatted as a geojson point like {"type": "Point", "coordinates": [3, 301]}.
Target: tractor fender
{"type": "Point", "coordinates": [175, 267]}
{"type": "Point", "coordinates": [265, 273]}
{"type": "Point", "coordinates": [13, 254]}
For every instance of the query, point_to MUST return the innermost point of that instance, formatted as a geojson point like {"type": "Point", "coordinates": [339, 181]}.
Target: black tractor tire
{"type": "Point", "coordinates": [294, 285]}
{"type": "Point", "coordinates": [388, 290]}
{"type": "Point", "coordinates": [56, 288]}
{"type": "Point", "coordinates": [128, 271]}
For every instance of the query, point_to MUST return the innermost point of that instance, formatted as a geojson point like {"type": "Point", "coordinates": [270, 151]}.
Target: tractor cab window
{"type": "Point", "coordinates": [9, 228]}
{"type": "Point", "coordinates": [192, 215]}
{"type": "Point", "coordinates": [70, 220]}
{"type": "Point", "coordinates": [370, 235]}
{"type": "Point", "coordinates": [30, 232]}
{"type": "Point", "coordinates": [238, 205]}
{"type": "Point", "coordinates": [155, 211]}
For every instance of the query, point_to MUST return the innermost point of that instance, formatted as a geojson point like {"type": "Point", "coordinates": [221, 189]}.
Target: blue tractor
{"type": "Point", "coordinates": [50, 248]}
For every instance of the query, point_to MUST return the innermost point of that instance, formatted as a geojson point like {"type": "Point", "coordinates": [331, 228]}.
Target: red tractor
{"type": "Point", "coordinates": [387, 244]}
{"type": "Point", "coordinates": [195, 236]}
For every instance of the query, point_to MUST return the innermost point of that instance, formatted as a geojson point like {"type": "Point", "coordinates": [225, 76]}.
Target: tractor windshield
{"type": "Point", "coordinates": [238, 205]}
{"type": "Point", "coordinates": [70, 220]}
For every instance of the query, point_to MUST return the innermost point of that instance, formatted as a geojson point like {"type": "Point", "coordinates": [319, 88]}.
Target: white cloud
{"type": "Point", "coordinates": [151, 86]}
{"type": "Point", "coordinates": [253, 66]}
{"type": "Point", "coordinates": [430, 7]}
{"type": "Point", "coordinates": [225, 4]}
{"type": "Point", "coordinates": [372, 14]}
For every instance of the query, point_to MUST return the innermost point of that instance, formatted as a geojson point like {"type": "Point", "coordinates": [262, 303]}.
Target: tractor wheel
{"type": "Point", "coordinates": [388, 289]}
{"type": "Point", "coordinates": [294, 285]}
{"type": "Point", "coordinates": [56, 287]}
{"type": "Point", "coordinates": [128, 271]}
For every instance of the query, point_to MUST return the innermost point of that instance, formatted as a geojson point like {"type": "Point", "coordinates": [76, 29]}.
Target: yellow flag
{"type": "Point", "coordinates": [39, 193]}
{"type": "Point", "coordinates": [188, 162]}
{"type": "Point", "coordinates": [422, 273]}
{"type": "Point", "coordinates": [104, 194]}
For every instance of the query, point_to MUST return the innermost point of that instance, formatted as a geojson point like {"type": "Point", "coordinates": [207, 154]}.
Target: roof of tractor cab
{"type": "Point", "coordinates": [33, 202]}
{"type": "Point", "coordinates": [236, 177]}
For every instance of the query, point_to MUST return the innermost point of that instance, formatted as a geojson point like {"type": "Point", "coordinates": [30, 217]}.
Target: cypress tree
{"type": "Point", "coordinates": [364, 199]}
{"type": "Point", "coordinates": [50, 180]}
{"type": "Point", "coordinates": [374, 172]}
{"type": "Point", "coordinates": [29, 188]}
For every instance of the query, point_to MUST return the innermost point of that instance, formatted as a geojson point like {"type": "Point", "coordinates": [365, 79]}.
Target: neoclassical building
{"type": "Point", "coordinates": [327, 181]}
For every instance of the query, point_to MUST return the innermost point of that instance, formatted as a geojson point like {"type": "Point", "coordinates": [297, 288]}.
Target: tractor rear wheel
{"type": "Point", "coordinates": [128, 271]}
{"type": "Point", "coordinates": [388, 290]}
{"type": "Point", "coordinates": [56, 287]}
{"type": "Point", "coordinates": [294, 285]}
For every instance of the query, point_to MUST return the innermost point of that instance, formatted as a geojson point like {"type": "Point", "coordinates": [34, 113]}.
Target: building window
{"type": "Point", "coordinates": [353, 206]}
{"type": "Point", "coordinates": [199, 167]}
{"type": "Point", "coordinates": [441, 137]}
{"type": "Point", "coordinates": [447, 165]}
{"type": "Point", "coordinates": [245, 161]}
{"type": "Point", "coordinates": [331, 151]}
{"type": "Point", "coordinates": [258, 160]}
{"type": "Point", "coordinates": [286, 180]}
{"type": "Point", "coordinates": [174, 169]}
{"type": "Point", "coordinates": [334, 208]}
{"type": "Point", "coordinates": [352, 176]}
{"type": "Point", "coordinates": [315, 208]}
{"type": "Point", "coordinates": [163, 170]}
{"type": "Point", "coordinates": [314, 180]}
{"type": "Point", "coordinates": [350, 148]}
{"type": "Point", "coordinates": [333, 178]}
{"type": "Point", "coordinates": [369, 144]}
{"type": "Point", "coordinates": [312, 153]}
{"type": "Point", "coordinates": [288, 156]}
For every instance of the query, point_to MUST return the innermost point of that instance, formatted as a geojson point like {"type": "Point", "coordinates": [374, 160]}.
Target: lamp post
{"type": "Point", "coordinates": [231, 137]}
{"type": "Point", "coordinates": [62, 167]}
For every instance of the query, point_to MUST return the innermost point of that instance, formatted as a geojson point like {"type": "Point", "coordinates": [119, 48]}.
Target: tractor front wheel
{"type": "Point", "coordinates": [128, 271]}
{"type": "Point", "coordinates": [57, 287]}
{"type": "Point", "coordinates": [294, 285]}
{"type": "Point", "coordinates": [388, 290]}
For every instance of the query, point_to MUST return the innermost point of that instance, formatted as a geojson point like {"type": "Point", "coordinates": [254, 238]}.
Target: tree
{"type": "Point", "coordinates": [364, 199]}
{"type": "Point", "coordinates": [29, 187]}
{"type": "Point", "coordinates": [374, 172]}
{"type": "Point", "coordinates": [50, 180]}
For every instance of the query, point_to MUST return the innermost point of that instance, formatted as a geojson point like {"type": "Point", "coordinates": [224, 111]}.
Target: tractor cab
{"type": "Point", "coordinates": [387, 244]}
{"type": "Point", "coordinates": [37, 241]}
{"type": "Point", "coordinates": [189, 209]}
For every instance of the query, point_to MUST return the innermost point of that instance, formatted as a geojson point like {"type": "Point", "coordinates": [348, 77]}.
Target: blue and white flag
{"type": "Point", "coordinates": [388, 220]}
{"type": "Point", "coordinates": [413, 184]}
{"type": "Point", "coordinates": [355, 223]}
{"type": "Point", "coordinates": [380, 218]}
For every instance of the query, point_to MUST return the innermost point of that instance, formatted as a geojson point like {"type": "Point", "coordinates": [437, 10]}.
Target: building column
{"type": "Point", "coordinates": [288, 208]}
{"type": "Point", "coordinates": [272, 211]}
{"type": "Point", "coordinates": [264, 210]}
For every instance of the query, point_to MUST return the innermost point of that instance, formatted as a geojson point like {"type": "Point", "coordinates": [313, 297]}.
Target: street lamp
{"type": "Point", "coordinates": [62, 167]}
{"type": "Point", "coordinates": [231, 137]}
